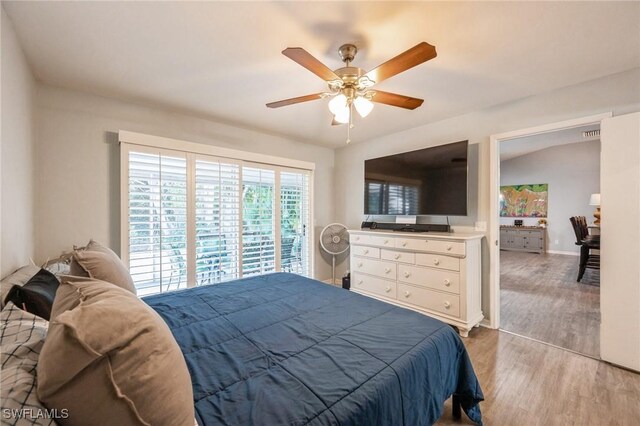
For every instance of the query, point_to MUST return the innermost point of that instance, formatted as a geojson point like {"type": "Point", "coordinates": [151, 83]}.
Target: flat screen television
{"type": "Point", "coordinates": [430, 181]}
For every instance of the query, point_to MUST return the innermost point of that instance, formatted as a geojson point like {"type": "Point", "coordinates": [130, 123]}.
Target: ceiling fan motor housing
{"type": "Point", "coordinates": [348, 52]}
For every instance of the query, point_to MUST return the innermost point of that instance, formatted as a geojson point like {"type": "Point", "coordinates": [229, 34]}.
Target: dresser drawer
{"type": "Point", "coordinates": [366, 251]}
{"type": "Point", "coordinates": [434, 246]}
{"type": "Point", "coordinates": [438, 261]}
{"type": "Point", "coordinates": [448, 304]}
{"type": "Point", "coordinates": [426, 277]}
{"type": "Point", "coordinates": [378, 268]}
{"type": "Point", "coordinates": [374, 285]}
{"type": "Point", "coordinates": [373, 240]}
{"type": "Point", "coordinates": [398, 256]}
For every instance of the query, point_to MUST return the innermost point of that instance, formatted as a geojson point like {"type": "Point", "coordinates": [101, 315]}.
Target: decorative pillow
{"type": "Point", "coordinates": [37, 295]}
{"type": "Point", "coordinates": [60, 266]}
{"type": "Point", "coordinates": [102, 263]}
{"type": "Point", "coordinates": [111, 359]}
{"type": "Point", "coordinates": [19, 277]}
{"type": "Point", "coordinates": [21, 338]}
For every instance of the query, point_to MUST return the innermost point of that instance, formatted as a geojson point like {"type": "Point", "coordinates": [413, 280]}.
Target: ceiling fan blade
{"type": "Point", "coordinates": [305, 59]}
{"type": "Point", "coordinates": [297, 100]}
{"type": "Point", "coordinates": [396, 100]}
{"type": "Point", "coordinates": [418, 54]}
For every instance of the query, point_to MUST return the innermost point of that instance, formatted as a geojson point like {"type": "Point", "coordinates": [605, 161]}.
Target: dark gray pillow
{"type": "Point", "coordinates": [37, 295]}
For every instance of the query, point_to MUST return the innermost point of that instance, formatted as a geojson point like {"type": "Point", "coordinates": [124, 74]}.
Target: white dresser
{"type": "Point", "coordinates": [437, 274]}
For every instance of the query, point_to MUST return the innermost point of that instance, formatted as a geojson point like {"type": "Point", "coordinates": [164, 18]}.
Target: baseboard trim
{"type": "Point", "coordinates": [597, 358]}
{"type": "Point", "coordinates": [568, 253]}
{"type": "Point", "coordinates": [486, 323]}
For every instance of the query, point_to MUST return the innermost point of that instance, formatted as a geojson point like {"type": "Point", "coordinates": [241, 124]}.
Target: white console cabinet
{"type": "Point", "coordinates": [437, 274]}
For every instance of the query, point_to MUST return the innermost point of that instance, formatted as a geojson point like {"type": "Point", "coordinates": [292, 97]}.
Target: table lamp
{"type": "Point", "coordinates": [595, 201]}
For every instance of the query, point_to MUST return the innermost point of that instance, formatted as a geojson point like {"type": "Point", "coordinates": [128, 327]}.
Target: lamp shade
{"type": "Point", "coordinates": [363, 106]}
{"type": "Point", "coordinates": [594, 200]}
{"type": "Point", "coordinates": [338, 104]}
{"type": "Point", "coordinates": [343, 116]}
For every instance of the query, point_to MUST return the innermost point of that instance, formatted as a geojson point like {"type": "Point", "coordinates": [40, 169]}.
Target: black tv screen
{"type": "Point", "coordinates": [430, 181]}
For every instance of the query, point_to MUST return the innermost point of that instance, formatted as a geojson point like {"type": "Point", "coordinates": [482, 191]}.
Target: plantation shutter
{"type": "Point", "coordinates": [294, 222]}
{"type": "Point", "coordinates": [192, 218]}
{"type": "Point", "coordinates": [258, 221]}
{"type": "Point", "coordinates": [217, 216]}
{"type": "Point", "coordinates": [157, 221]}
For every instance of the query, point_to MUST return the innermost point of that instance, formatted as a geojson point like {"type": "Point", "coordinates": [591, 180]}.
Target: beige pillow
{"type": "Point", "coordinates": [102, 263]}
{"type": "Point", "coordinates": [110, 359]}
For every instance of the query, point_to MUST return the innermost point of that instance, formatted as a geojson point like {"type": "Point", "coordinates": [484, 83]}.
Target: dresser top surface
{"type": "Point", "coordinates": [432, 235]}
{"type": "Point", "coordinates": [521, 227]}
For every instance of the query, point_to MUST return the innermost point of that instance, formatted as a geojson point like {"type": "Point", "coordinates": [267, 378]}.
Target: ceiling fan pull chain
{"type": "Point", "coordinates": [350, 123]}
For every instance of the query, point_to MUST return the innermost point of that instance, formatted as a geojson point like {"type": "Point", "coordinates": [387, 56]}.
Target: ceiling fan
{"type": "Point", "coordinates": [350, 87]}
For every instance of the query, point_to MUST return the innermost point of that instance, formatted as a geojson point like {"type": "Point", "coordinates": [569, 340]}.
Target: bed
{"type": "Point", "coordinates": [282, 349]}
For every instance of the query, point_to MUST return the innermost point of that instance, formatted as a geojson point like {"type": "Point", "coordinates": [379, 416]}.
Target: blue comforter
{"type": "Point", "coordinates": [280, 349]}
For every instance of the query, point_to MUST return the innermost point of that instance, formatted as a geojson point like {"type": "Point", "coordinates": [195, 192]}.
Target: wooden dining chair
{"type": "Point", "coordinates": [587, 243]}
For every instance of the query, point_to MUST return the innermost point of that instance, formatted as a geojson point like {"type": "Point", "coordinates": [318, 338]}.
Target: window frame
{"type": "Point", "coordinates": [138, 142]}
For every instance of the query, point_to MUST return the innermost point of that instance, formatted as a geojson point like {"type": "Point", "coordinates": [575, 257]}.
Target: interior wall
{"type": "Point", "coordinates": [78, 181]}
{"type": "Point", "coordinates": [16, 153]}
{"type": "Point", "coordinates": [573, 174]}
{"type": "Point", "coordinates": [619, 93]}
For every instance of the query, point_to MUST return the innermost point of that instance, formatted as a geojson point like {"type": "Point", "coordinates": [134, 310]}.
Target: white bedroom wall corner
{"type": "Point", "coordinates": [18, 152]}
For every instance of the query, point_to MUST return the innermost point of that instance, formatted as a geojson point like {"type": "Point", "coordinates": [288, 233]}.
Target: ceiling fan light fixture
{"type": "Point", "coordinates": [363, 105]}
{"type": "Point", "coordinates": [343, 116]}
{"type": "Point", "coordinates": [338, 104]}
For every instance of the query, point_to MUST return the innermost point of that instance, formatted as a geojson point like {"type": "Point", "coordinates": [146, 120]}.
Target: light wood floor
{"type": "Point", "coordinates": [540, 298]}
{"type": "Point", "coordinates": [526, 383]}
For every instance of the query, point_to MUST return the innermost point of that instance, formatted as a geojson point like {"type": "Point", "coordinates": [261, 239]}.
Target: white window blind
{"type": "Point", "coordinates": [258, 221]}
{"type": "Point", "coordinates": [294, 222]}
{"type": "Point", "coordinates": [217, 214]}
{"type": "Point", "coordinates": [195, 219]}
{"type": "Point", "coordinates": [157, 221]}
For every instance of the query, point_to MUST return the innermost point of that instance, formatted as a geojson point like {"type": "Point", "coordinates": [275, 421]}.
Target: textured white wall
{"type": "Point", "coordinates": [78, 182]}
{"type": "Point", "coordinates": [16, 154]}
{"type": "Point", "coordinates": [573, 174]}
{"type": "Point", "coordinates": [619, 93]}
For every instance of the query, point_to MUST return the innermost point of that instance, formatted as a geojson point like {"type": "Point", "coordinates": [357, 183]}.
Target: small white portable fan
{"type": "Point", "coordinates": [334, 239]}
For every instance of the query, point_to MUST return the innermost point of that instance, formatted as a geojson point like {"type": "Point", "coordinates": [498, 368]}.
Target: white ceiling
{"type": "Point", "coordinates": [517, 147]}
{"type": "Point", "coordinates": [222, 60]}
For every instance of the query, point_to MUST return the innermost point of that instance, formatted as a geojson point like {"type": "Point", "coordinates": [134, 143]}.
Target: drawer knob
{"type": "Point", "coordinates": [407, 293]}
{"type": "Point", "coordinates": [447, 282]}
{"type": "Point", "coordinates": [366, 251]}
{"type": "Point", "coordinates": [359, 282]}
{"type": "Point", "coordinates": [397, 256]}
{"type": "Point", "coordinates": [387, 289]}
{"type": "Point", "coordinates": [449, 247]}
{"type": "Point", "coordinates": [359, 264]}
{"type": "Point", "coordinates": [447, 305]}
{"type": "Point", "coordinates": [436, 262]}
{"type": "Point", "coordinates": [387, 270]}
{"type": "Point", "coordinates": [407, 274]}
{"type": "Point", "coordinates": [386, 241]}
{"type": "Point", "coordinates": [357, 238]}
{"type": "Point", "coordinates": [403, 244]}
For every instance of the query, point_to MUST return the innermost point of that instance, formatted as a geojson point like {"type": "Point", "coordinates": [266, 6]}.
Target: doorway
{"type": "Point", "coordinates": [534, 256]}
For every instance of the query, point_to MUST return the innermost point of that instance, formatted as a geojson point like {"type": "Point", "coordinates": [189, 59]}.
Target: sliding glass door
{"type": "Point", "coordinates": [197, 220]}
{"type": "Point", "coordinates": [258, 221]}
{"type": "Point", "coordinates": [294, 222]}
